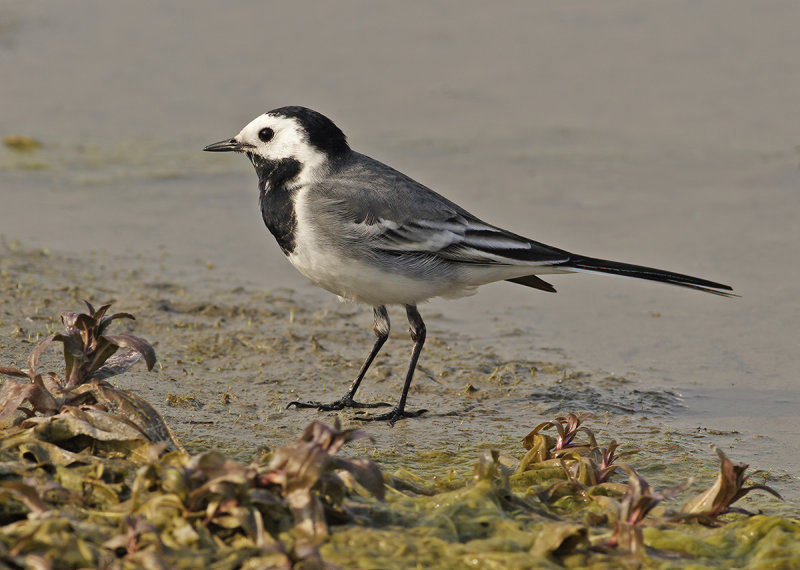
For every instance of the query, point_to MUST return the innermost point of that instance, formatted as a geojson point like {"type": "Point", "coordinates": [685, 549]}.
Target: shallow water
{"type": "Point", "coordinates": [658, 134]}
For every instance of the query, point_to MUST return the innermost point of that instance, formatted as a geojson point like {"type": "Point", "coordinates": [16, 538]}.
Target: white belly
{"type": "Point", "coordinates": [356, 280]}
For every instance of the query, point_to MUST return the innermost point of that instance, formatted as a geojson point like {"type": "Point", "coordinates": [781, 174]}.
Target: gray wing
{"type": "Point", "coordinates": [375, 204]}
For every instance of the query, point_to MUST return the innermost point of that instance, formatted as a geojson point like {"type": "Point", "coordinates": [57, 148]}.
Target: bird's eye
{"type": "Point", "coordinates": [265, 134]}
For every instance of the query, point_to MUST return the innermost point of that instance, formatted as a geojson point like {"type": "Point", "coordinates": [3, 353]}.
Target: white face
{"type": "Point", "coordinates": [288, 141]}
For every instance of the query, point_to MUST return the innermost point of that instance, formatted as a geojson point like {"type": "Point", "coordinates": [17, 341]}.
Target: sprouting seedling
{"type": "Point", "coordinates": [310, 463]}
{"type": "Point", "coordinates": [726, 490]}
{"type": "Point", "coordinates": [583, 472]}
{"type": "Point", "coordinates": [568, 427]}
{"type": "Point", "coordinates": [14, 394]}
{"type": "Point", "coordinates": [542, 447]}
{"type": "Point", "coordinates": [639, 500]}
{"type": "Point", "coordinates": [575, 479]}
{"type": "Point", "coordinates": [90, 356]}
{"type": "Point", "coordinates": [88, 350]}
{"type": "Point", "coordinates": [304, 478]}
{"type": "Point", "coordinates": [596, 467]}
{"type": "Point", "coordinates": [601, 460]}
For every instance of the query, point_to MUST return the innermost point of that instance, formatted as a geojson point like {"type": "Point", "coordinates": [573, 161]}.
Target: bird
{"type": "Point", "coordinates": [368, 233]}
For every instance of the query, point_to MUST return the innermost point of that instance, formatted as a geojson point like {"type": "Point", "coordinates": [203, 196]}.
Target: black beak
{"type": "Point", "coordinates": [230, 145]}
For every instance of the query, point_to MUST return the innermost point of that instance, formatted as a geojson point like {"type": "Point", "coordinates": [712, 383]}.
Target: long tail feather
{"type": "Point", "coordinates": [589, 264]}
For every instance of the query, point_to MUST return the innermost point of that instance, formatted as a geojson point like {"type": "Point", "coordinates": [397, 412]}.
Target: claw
{"type": "Point", "coordinates": [337, 405]}
{"type": "Point", "coordinates": [391, 417]}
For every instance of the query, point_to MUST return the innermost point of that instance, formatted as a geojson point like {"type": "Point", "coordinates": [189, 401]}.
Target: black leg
{"type": "Point", "coordinates": [381, 328]}
{"type": "Point", "coordinates": [417, 329]}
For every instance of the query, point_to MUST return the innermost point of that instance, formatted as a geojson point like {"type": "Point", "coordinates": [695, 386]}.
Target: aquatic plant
{"type": "Point", "coordinates": [80, 402]}
{"type": "Point", "coordinates": [178, 511]}
{"type": "Point", "coordinates": [542, 447]}
{"type": "Point", "coordinates": [591, 468]}
{"type": "Point", "coordinates": [726, 490]}
{"type": "Point", "coordinates": [309, 471]}
{"type": "Point", "coordinates": [639, 500]}
{"type": "Point", "coordinates": [581, 464]}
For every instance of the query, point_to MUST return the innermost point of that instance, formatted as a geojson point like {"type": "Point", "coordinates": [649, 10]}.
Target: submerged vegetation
{"type": "Point", "coordinates": [91, 476]}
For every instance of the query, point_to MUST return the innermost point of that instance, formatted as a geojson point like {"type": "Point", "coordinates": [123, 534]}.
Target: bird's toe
{"type": "Point", "coordinates": [391, 417]}
{"type": "Point", "coordinates": [341, 404]}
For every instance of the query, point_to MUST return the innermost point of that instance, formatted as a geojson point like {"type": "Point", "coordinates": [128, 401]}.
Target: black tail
{"type": "Point", "coordinates": [640, 272]}
{"type": "Point", "coordinates": [535, 282]}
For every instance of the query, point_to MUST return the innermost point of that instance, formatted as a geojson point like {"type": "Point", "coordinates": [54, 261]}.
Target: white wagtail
{"type": "Point", "coordinates": [368, 233]}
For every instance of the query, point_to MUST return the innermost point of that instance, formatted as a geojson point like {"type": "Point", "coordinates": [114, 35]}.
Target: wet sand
{"type": "Point", "coordinates": [664, 135]}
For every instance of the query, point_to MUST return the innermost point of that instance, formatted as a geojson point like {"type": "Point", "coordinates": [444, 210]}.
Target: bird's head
{"type": "Point", "coordinates": [296, 134]}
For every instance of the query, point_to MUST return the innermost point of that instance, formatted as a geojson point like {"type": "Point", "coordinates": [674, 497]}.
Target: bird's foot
{"type": "Point", "coordinates": [346, 402]}
{"type": "Point", "coordinates": [393, 416]}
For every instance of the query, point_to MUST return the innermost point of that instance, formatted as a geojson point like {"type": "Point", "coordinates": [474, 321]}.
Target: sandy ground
{"type": "Point", "coordinates": [662, 134]}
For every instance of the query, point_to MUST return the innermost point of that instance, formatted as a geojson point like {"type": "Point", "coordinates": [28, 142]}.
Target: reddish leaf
{"type": "Point", "coordinates": [25, 494]}
{"type": "Point", "coordinates": [33, 359]}
{"type": "Point", "coordinates": [11, 371]}
{"type": "Point", "coordinates": [117, 364]}
{"type": "Point", "coordinates": [140, 345]}
{"type": "Point", "coordinates": [104, 350]}
{"type": "Point", "coordinates": [105, 321]}
{"type": "Point", "coordinates": [99, 313]}
{"type": "Point", "coordinates": [12, 395]}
